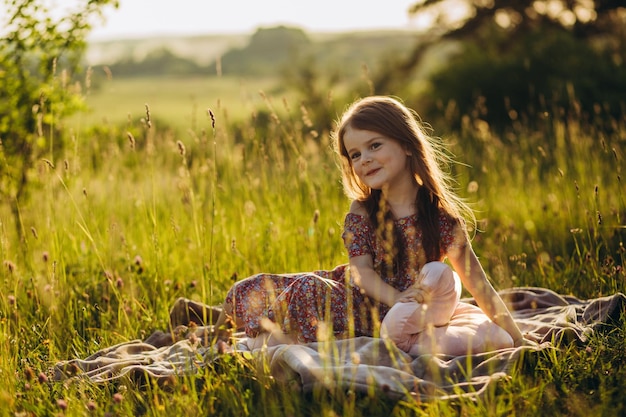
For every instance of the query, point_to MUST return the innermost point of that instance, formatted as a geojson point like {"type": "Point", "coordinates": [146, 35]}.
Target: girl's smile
{"type": "Point", "coordinates": [377, 160]}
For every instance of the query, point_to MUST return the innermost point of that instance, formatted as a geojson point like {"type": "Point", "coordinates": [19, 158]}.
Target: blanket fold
{"type": "Point", "coordinates": [362, 363]}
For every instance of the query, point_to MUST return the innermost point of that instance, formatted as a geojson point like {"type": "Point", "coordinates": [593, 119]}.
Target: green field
{"type": "Point", "coordinates": [178, 102]}
{"type": "Point", "coordinates": [116, 229]}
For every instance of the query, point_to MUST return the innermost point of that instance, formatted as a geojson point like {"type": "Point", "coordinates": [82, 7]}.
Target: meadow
{"type": "Point", "coordinates": [153, 200]}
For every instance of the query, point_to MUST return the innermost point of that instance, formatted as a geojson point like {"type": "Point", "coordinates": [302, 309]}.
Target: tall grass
{"type": "Point", "coordinates": [136, 215]}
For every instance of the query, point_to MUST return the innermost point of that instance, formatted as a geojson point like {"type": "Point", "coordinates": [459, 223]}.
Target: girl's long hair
{"type": "Point", "coordinates": [427, 159]}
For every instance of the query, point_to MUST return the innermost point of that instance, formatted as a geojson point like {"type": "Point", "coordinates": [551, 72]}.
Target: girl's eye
{"type": "Point", "coordinates": [375, 145]}
{"type": "Point", "coordinates": [355, 156]}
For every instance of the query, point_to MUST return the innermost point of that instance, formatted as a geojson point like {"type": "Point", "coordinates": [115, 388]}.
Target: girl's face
{"type": "Point", "coordinates": [377, 160]}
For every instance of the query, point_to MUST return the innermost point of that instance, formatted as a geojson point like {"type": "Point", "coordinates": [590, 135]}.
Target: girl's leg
{"type": "Point", "coordinates": [405, 321]}
{"type": "Point", "coordinates": [470, 331]}
{"type": "Point", "coordinates": [185, 311]}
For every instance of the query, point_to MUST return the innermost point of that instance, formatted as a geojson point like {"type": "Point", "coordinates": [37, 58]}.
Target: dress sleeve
{"type": "Point", "coordinates": [357, 235]}
{"type": "Point", "coordinates": [452, 234]}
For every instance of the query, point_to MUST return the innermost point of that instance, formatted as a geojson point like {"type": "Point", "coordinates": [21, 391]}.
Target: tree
{"type": "Point", "coordinates": [40, 56]}
{"type": "Point", "coordinates": [519, 38]}
{"type": "Point", "coordinates": [269, 49]}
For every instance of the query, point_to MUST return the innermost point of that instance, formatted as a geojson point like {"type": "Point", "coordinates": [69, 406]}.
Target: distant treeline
{"type": "Point", "coordinates": [271, 51]}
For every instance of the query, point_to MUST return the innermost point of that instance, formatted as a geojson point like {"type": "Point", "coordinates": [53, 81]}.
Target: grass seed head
{"type": "Point", "coordinates": [29, 374]}
{"type": "Point", "coordinates": [148, 119]}
{"type": "Point", "coordinates": [131, 140]}
{"type": "Point", "coordinates": [181, 148]}
{"type": "Point", "coordinates": [212, 116]}
{"type": "Point", "coordinates": [10, 266]}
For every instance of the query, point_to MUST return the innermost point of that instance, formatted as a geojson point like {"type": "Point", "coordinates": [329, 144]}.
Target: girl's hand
{"type": "Point", "coordinates": [415, 294]}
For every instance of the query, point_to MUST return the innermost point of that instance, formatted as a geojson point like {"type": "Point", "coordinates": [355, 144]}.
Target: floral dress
{"type": "Point", "coordinates": [299, 302]}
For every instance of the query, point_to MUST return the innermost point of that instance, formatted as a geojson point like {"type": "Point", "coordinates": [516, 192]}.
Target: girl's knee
{"type": "Point", "coordinates": [432, 271]}
{"type": "Point", "coordinates": [438, 275]}
{"type": "Point", "coordinates": [402, 323]}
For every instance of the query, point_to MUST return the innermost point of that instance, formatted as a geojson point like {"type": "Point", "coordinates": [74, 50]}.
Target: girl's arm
{"type": "Point", "coordinates": [363, 274]}
{"type": "Point", "coordinates": [466, 264]}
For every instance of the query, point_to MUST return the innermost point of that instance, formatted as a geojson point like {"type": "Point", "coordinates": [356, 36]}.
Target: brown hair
{"type": "Point", "coordinates": [391, 118]}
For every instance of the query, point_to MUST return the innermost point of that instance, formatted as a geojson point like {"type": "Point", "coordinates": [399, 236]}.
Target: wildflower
{"type": "Point", "coordinates": [29, 374]}
{"type": "Point", "coordinates": [11, 300]}
{"type": "Point", "coordinates": [91, 405]}
{"type": "Point", "coordinates": [472, 187]}
{"type": "Point", "coordinates": [316, 216]}
{"type": "Point", "coordinates": [138, 261]}
{"type": "Point", "coordinates": [45, 256]}
{"type": "Point", "coordinates": [34, 232]}
{"type": "Point", "coordinates": [42, 378]}
{"type": "Point", "coordinates": [62, 404]}
{"type": "Point", "coordinates": [119, 282]}
{"type": "Point", "coordinates": [118, 398]}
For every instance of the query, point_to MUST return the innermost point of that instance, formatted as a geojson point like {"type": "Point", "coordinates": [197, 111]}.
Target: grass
{"type": "Point", "coordinates": [114, 233]}
{"type": "Point", "coordinates": [179, 101]}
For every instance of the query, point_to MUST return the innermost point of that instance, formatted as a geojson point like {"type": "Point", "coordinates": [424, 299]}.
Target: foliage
{"type": "Point", "coordinates": [268, 50]}
{"type": "Point", "coordinates": [538, 51]}
{"type": "Point", "coordinates": [545, 72]}
{"type": "Point", "coordinates": [157, 62]}
{"type": "Point", "coordinates": [39, 58]}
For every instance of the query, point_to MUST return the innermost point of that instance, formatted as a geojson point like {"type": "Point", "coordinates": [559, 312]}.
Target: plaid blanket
{"type": "Point", "coordinates": [358, 364]}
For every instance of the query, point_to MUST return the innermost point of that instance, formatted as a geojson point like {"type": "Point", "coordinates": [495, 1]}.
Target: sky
{"type": "Point", "coordinates": [140, 18]}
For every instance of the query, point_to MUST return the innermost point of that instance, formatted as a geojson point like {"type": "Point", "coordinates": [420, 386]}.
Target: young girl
{"type": "Point", "coordinates": [403, 218]}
